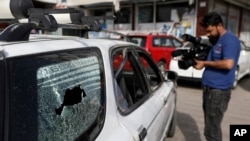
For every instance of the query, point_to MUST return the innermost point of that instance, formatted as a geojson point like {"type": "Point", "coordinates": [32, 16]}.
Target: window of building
{"type": "Point", "coordinates": [171, 12]}
{"type": "Point", "coordinates": [145, 14]}
{"type": "Point", "coordinates": [124, 16]}
{"type": "Point", "coordinates": [103, 12]}
{"type": "Point", "coordinates": [163, 13]}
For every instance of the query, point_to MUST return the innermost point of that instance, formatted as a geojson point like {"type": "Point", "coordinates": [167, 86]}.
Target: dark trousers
{"type": "Point", "coordinates": [215, 103]}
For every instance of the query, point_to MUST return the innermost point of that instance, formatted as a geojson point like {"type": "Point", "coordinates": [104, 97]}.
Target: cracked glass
{"type": "Point", "coordinates": [57, 97]}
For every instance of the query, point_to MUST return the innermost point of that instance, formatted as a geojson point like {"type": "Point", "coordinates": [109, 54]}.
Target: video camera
{"type": "Point", "coordinates": [199, 52]}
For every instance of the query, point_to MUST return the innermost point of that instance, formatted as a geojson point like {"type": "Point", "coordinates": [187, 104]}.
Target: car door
{"type": "Point", "coordinates": [247, 49]}
{"type": "Point", "coordinates": [243, 59]}
{"type": "Point", "coordinates": [162, 93]}
{"type": "Point", "coordinates": [163, 46]}
{"type": "Point", "coordinates": [140, 104]}
{"type": "Point", "coordinates": [197, 74]}
{"type": "Point", "coordinates": [2, 99]}
{"type": "Point", "coordinates": [158, 48]}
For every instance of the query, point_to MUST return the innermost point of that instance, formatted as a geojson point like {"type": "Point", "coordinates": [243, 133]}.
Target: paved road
{"type": "Point", "coordinates": [190, 122]}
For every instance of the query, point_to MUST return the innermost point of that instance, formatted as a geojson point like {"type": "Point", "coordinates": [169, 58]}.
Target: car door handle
{"type": "Point", "coordinates": [165, 101]}
{"type": "Point", "coordinates": [143, 134]}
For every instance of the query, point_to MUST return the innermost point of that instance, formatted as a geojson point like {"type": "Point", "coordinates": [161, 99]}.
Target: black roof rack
{"type": "Point", "coordinates": [43, 19]}
{"type": "Point", "coordinates": [16, 32]}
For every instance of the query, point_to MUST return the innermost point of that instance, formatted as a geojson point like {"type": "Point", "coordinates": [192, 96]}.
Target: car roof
{"type": "Point", "coordinates": [149, 34]}
{"type": "Point", "coordinates": [16, 40]}
{"type": "Point", "coordinates": [47, 43]}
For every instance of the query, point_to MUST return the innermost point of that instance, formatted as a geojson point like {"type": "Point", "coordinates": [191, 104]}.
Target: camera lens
{"type": "Point", "coordinates": [185, 64]}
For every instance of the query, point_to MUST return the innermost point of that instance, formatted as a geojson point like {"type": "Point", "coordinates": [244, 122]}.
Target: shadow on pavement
{"type": "Point", "coordinates": [245, 83]}
{"type": "Point", "coordinates": [189, 84]}
{"type": "Point", "coordinates": [188, 127]}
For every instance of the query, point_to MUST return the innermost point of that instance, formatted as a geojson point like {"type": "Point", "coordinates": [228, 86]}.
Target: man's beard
{"type": "Point", "coordinates": [213, 39]}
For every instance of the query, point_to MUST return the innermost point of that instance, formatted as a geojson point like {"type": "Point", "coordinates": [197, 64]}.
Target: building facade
{"type": "Point", "coordinates": [235, 15]}
{"type": "Point", "coordinates": [175, 16]}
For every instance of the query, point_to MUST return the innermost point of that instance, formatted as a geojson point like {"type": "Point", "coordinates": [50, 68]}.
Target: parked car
{"type": "Point", "coordinates": [67, 88]}
{"type": "Point", "coordinates": [159, 45]}
{"type": "Point", "coordinates": [243, 67]}
{"type": "Point", "coordinates": [109, 34]}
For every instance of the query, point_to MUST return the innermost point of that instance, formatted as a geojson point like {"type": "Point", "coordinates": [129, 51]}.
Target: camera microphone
{"type": "Point", "coordinates": [190, 38]}
{"type": "Point", "coordinates": [177, 53]}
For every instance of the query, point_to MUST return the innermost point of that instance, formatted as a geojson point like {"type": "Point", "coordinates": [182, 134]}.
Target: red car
{"type": "Point", "coordinates": [160, 46]}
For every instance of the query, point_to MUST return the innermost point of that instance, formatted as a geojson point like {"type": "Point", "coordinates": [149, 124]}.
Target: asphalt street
{"type": "Point", "coordinates": [190, 121]}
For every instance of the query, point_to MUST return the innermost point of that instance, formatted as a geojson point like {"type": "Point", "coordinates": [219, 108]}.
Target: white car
{"type": "Point", "coordinates": [243, 67]}
{"type": "Point", "coordinates": [69, 88]}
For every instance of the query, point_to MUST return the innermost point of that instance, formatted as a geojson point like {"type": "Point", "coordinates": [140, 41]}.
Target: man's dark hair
{"type": "Point", "coordinates": [212, 19]}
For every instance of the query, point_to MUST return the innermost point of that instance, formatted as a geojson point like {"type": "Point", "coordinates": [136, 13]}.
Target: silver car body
{"type": "Point", "coordinates": [149, 120]}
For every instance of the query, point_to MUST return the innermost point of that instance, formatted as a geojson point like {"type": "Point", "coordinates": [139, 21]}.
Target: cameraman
{"type": "Point", "coordinates": [219, 73]}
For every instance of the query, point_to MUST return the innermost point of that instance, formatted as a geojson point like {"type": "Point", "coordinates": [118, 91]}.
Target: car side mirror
{"type": "Point", "coordinates": [247, 48]}
{"type": "Point", "coordinates": [171, 75]}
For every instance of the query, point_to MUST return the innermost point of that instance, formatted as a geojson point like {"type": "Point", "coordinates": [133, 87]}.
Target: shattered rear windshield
{"type": "Point", "coordinates": [57, 97]}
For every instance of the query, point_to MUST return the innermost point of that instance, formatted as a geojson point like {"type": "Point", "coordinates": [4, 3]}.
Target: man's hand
{"type": "Point", "coordinates": [199, 64]}
{"type": "Point", "coordinates": [226, 64]}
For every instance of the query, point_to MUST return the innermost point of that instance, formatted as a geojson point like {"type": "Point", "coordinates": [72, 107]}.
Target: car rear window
{"type": "Point", "coordinates": [57, 96]}
{"type": "Point", "coordinates": [140, 41]}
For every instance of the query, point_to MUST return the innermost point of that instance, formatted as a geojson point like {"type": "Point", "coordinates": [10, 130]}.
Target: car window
{"type": "Point", "coordinates": [59, 96]}
{"type": "Point", "coordinates": [244, 47]}
{"type": "Point", "coordinates": [177, 43]}
{"type": "Point", "coordinates": [166, 42]}
{"type": "Point", "coordinates": [140, 41]}
{"type": "Point", "coordinates": [156, 42]}
{"type": "Point", "coordinates": [162, 42]}
{"type": "Point", "coordinates": [152, 72]}
{"type": "Point", "coordinates": [131, 85]}
{"type": "Point", "coordinates": [188, 44]}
